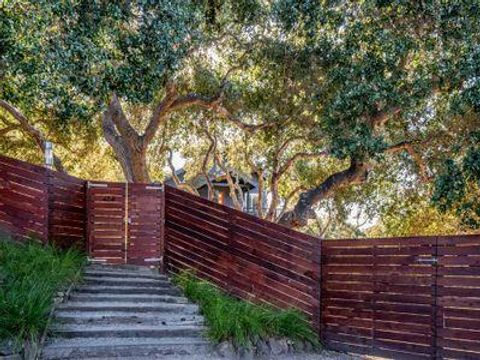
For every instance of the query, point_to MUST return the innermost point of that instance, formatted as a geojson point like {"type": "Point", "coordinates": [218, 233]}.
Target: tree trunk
{"type": "Point", "coordinates": [129, 147]}
{"type": "Point", "coordinates": [133, 162]}
{"type": "Point", "coordinates": [355, 174]}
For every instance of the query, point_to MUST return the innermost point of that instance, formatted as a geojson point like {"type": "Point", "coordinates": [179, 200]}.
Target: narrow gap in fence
{"type": "Point", "coordinates": [375, 291]}
{"type": "Point", "coordinates": [126, 220]}
{"type": "Point", "coordinates": [435, 301]}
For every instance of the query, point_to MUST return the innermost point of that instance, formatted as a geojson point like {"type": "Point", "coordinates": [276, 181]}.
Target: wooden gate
{"type": "Point", "coordinates": [402, 298]}
{"type": "Point", "coordinates": [125, 223]}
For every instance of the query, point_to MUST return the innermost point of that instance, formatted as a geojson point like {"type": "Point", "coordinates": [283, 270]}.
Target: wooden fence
{"type": "Point", "coordinates": [43, 204]}
{"type": "Point", "coordinates": [400, 298]}
{"type": "Point", "coordinates": [251, 258]}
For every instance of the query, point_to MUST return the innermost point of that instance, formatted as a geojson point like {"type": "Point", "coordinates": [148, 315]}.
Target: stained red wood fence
{"type": "Point", "coordinates": [42, 204]}
{"type": "Point", "coordinates": [251, 258]}
{"type": "Point", "coordinates": [401, 298]}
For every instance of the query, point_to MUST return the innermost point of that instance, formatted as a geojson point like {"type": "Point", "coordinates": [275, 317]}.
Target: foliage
{"type": "Point", "coordinates": [350, 81]}
{"type": "Point", "coordinates": [69, 57]}
{"type": "Point", "coordinates": [240, 321]}
{"type": "Point", "coordinates": [30, 275]}
{"type": "Point", "coordinates": [458, 185]}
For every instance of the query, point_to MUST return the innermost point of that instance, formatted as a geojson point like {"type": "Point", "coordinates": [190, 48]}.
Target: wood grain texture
{"type": "Point", "coordinates": [248, 257]}
{"type": "Point", "coordinates": [402, 298]}
{"type": "Point", "coordinates": [41, 204]}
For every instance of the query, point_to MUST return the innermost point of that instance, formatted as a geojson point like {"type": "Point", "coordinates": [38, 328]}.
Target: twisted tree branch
{"type": "Point", "coordinates": [31, 131]}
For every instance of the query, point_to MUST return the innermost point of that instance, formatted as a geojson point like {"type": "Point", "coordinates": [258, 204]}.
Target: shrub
{"type": "Point", "coordinates": [241, 321]}
{"type": "Point", "coordinates": [30, 276]}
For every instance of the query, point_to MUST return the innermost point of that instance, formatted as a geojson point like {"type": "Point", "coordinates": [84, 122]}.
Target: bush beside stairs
{"type": "Point", "coordinates": [125, 312]}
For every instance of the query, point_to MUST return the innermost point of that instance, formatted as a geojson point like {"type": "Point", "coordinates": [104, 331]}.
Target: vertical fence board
{"type": "Point", "coordinates": [458, 297]}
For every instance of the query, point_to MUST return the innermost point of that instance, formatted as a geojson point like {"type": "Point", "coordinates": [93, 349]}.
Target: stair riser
{"type": "Point", "coordinates": [161, 309]}
{"type": "Point", "coordinates": [148, 291]}
{"type": "Point", "coordinates": [172, 300]}
{"type": "Point", "coordinates": [126, 320]}
{"type": "Point", "coordinates": [126, 312]}
{"type": "Point", "coordinates": [98, 274]}
{"type": "Point", "coordinates": [129, 333]}
{"type": "Point", "coordinates": [126, 351]}
{"type": "Point", "coordinates": [119, 282]}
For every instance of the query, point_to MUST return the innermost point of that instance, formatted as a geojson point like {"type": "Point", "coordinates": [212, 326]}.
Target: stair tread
{"type": "Point", "coordinates": [133, 280]}
{"type": "Point", "coordinates": [122, 327]}
{"type": "Point", "coordinates": [105, 289]}
{"type": "Point", "coordinates": [116, 303]}
{"type": "Point", "coordinates": [109, 341]}
{"type": "Point", "coordinates": [136, 297]}
{"type": "Point", "coordinates": [116, 296]}
{"type": "Point", "coordinates": [106, 272]}
{"type": "Point", "coordinates": [124, 314]}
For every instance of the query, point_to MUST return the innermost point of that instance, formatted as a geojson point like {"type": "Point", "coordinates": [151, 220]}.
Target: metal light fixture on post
{"type": "Point", "coordinates": [49, 155]}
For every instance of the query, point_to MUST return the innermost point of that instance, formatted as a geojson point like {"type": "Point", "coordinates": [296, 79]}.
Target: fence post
{"type": "Point", "coordinates": [231, 256]}
{"type": "Point", "coordinates": [317, 265]}
{"type": "Point", "coordinates": [436, 322]}
{"type": "Point", "coordinates": [163, 230]}
{"type": "Point", "coordinates": [49, 201]}
{"type": "Point", "coordinates": [48, 206]}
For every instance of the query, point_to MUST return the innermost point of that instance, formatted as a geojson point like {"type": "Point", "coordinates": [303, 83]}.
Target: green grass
{"type": "Point", "coordinates": [240, 321]}
{"type": "Point", "coordinates": [30, 276]}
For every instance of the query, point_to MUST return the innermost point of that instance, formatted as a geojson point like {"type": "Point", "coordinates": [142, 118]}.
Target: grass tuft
{"type": "Point", "coordinates": [30, 276]}
{"type": "Point", "coordinates": [240, 321]}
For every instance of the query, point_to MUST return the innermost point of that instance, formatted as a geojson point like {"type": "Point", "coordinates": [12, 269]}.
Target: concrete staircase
{"type": "Point", "coordinates": [125, 312]}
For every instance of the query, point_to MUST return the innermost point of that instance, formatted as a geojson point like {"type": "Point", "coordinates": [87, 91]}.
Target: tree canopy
{"type": "Point", "coordinates": [345, 109]}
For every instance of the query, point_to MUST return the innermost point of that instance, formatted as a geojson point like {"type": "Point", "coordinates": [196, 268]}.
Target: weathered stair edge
{"type": "Point", "coordinates": [36, 352]}
{"type": "Point", "coordinates": [128, 347]}
{"type": "Point", "coordinates": [164, 303]}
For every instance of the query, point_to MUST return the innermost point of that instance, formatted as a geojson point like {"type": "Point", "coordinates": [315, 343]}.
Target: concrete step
{"type": "Point", "coordinates": [101, 348]}
{"type": "Point", "coordinates": [123, 274]}
{"type": "Point", "coordinates": [82, 297]}
{"type": "Point", "coordinates": [123, 268]}
{"type": "Point", "coordinates": [126, 331]}
{"type": "Point", "coordinates": [123, 317]}
{"type": "Point", "coordinates": [129, 306]}
{"type": "Point", "coordinates": [114, 281]}
{"type": "Point", "coordinates": [104, 289]}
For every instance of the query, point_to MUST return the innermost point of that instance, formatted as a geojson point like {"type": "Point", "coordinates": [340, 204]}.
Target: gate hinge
{"type": "Point", "coordinates": [91, 185]}
{"type": "Point", "coordinates": [154, 187]}
{"type": "Point", "coordinates": [430, 260]}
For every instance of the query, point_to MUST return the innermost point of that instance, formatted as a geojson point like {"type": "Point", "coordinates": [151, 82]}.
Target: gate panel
{"type": "Point", "coordinates": [145, 204]}
{"type": "Point", "coordinates": [458, 290]}
{"type": "Point", "coordinates": [106, 222]}
{"type": "Point", "coordinates": [378, 296]}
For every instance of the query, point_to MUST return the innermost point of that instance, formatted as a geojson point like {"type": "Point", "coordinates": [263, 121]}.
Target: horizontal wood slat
{"type": "Point", "coordinates": [458, 302]}
{"type": "Point", "coordinates": [400, 298]}
{"type": "Point", "coordinates": [42, 204]}
{"type": "Point", "coordinates": [249, 257]}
